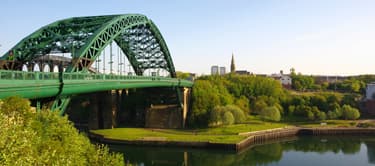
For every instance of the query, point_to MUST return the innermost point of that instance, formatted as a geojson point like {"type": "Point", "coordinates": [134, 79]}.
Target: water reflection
{"type": "Point", "coordinates": [295, 151]}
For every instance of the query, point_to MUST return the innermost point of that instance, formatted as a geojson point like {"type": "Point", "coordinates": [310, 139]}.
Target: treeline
{"type": "Point", "coordinates": [352, 84]}
{"type": "Point", "coordinates": [215, 97]}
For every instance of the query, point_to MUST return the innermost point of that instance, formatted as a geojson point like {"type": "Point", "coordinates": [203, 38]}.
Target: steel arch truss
{"type": "Point", "coordinates": [86, 37]}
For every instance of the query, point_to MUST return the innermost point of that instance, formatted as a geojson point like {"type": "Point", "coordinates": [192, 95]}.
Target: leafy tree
{"type": "Point", "coordinates": [228, 118]}
{"type": "Point", "coordinates": [28, 137]}
{"type": "Point", "coordinates": [238, 114]}
{"type": "Point", "coordinates": [301, 82]}
{"type": "Point", "coordinates": [291, 110]}
{"type": "Point", "coordinates": [350, 113]}
{"type": "Point", "coordinates": [259, 106]}
{"type": "Point", "coordinates": [335, 114]}
{"type": "Point", "coordinates": [182, 75]}
{"type": "Point", "coordinates": [204, 98]}
{"type": "Point", "coordinates": [243, 104]}
{"type": "Point", "coordinates": [322, 116]}
{"type": "Point", "coordinates": [271, 113]}
{"type": "Point", "coordinates": [216, 116]}
{"type": "Point", "coordinates": [310, 115]}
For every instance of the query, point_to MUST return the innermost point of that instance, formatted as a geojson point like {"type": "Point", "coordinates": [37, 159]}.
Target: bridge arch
{"type": "Point", "coordinates": [86, 37]}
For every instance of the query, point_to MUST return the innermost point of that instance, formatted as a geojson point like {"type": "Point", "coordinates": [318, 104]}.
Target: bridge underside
{"type": "Point", "coordinates": [147, 107]}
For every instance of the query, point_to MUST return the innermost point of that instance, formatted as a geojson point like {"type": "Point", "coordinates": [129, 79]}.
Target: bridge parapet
{"type": "Point", "coordinates": [22, 75]}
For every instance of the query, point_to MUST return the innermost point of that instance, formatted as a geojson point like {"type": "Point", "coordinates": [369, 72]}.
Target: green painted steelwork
{"type": "Point", "coordinates": [86, 37]}
{"type": "Point", "coordinates": [35, 85]}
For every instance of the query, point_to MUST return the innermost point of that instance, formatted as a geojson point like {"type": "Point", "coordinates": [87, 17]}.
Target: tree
{"type": "Point", "coordinates": [243, 104]}
{"type": "Point", "coordinates": [238, 114]}
{"type": "Point", "coordinates": [228, 118]}
{"type": "Point", "coordinates": [350, 113]}
{"type": "Point", "coordinates": [182, 75]}
{"type": "Point", "coordinates": [271, 113]}
{"type": "Point", "coordinates": [259, 106]}
{"type": "Point", "coordinates": [28, 137]}
{"type": "Point", "coordinates": [216, 116]}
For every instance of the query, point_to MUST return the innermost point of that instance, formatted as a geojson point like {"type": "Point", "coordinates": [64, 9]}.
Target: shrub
{"type": "Point", "coordinates": [310, 115]}
{"type": "Point", "coordinates": [216, 116]}
{"type": "Point", "coordinates": [322, 116]}
{"type": "Point", "coordinates": [349, 112]}
{"type": "Point", "coordinates": [228, 118]}
{"type": "Point", "coordinates": [238, 114]}
{"type": "Point", "coordinates": [271, 114]}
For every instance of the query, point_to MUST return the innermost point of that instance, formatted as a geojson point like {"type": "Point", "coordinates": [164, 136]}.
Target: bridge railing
{"type": "Point", "coordinates": [22, 75]}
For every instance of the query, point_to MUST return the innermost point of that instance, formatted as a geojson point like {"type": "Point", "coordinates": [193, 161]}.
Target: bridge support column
{"type": "Point", "coordinates": [104, 110]}
{"type": "Point", "coordinates": [186, 105]}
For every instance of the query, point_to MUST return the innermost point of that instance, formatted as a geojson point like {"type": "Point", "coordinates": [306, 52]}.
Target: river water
{"type": "Point", "coordinates": [295, 151]}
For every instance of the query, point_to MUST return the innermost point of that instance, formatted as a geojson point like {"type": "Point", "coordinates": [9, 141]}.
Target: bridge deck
{"type": "Point", "coordinates": [40, 85]}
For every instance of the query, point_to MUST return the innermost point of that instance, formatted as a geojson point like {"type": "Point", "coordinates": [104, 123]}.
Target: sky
{"type": "Point", "coordinates": [318, 37]}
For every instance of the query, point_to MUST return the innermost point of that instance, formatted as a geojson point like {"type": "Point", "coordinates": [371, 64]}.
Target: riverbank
{"type": "Point", "coordinates": [217, 138]}
{"type": "Point", "coordinates": [250, 138]}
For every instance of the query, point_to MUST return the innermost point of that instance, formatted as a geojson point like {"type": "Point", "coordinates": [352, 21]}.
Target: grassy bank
{"type": "Point", "coordinates": [224, 134]}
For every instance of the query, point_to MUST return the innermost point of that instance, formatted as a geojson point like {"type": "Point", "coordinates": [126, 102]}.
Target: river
{"type": "Point", "coordinates": [295, 151]}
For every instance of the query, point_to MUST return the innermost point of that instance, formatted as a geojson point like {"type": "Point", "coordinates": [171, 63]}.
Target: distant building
{"type": "Point", "coordinates": [285, 80]}
{"type": "Point", "coordinates": [214, 70]}
{"type": "Point", "coordinates": [222, 71]}
{"type": "Point", "coordinates": [232, 65]}
{"type": "Point", "coordinates": [242, 72]}
{"type": "Point", "coordinates": [192, 76]}
{"type": "Point", "coordinates": [370, 91]}
{"type": "Point", "coordinates": [369, 101]}
{"type": "Point", "coordinates": [319, 79]}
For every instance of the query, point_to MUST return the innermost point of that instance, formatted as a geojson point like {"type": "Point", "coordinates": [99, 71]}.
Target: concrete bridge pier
{"type": "Point", "coordinates": [186, 105]}
{"type": "Point", "coordinates": [104, 109]}
{"type": "Point", "coordinates": [170, 113]}
{"type": "Point", "coordinates": [150, 107]}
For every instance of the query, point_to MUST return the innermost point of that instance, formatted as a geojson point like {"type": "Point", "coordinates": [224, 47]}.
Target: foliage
{"type": "Point", "coordinates": [254, 94]}
{"type": "Point", "coordinates": [301, 82]}
{"type": "Point", "coordinates": [182, 75]}
{"type": "Point", "coordinates": [228, 118]}
{"type": "Point", "coordinates": [238, 114]}
{"type": "Point", "coordinates": [350, 113]}
{"type": "Point", "coordinates": [44, 138]}
{"type": "Point", "coordinates": [271, 114]}
{"type": "Point", "coordinates": [219, 115]}
{"type": "Point", "coordinates": [211, 91]}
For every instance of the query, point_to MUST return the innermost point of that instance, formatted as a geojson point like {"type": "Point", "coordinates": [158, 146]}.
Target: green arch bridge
{"type": "Point", "coordinates": [85, 40]}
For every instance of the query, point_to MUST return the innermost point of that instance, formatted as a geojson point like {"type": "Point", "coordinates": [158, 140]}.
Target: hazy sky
{"type": "Point", "coordinates": [335, 37]}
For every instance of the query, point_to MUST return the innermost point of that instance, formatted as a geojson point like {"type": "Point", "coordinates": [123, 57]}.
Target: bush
{"type": "Point", "coordinates": [349, 112]}
{"type": "Point", "coordinates": [228, 118]}
{"type": "Point", "coordinates": [45, 138]}
{"type": "Point", "coordinates": [322, 116]}
{"type": "Point", "coordinates": [310, 115]}
{"type": "Point", "coordinates": [216, 116]}
{"type": "Point", "coordinates": [270, 113]}
{"type": "Point", "coordinates": [238, 114]}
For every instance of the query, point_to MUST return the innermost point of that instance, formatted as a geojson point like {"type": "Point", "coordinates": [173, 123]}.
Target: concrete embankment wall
{"type": "Point", "coordinates": [253, 138]}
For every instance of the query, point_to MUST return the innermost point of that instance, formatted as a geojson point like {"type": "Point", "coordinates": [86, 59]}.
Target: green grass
{"type": "Point", "coordinates": [169, 135]}
{"type": "Point", "coordinates": [224, 134]}
{"type": "Point", "coordinates": [329, 123]}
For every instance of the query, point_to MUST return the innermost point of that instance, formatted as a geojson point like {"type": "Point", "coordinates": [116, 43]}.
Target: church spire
{"type": "Point", "coordinates": [232, 66]}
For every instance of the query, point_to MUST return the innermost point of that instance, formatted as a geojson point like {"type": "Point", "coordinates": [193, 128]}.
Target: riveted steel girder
{"type": "Point", "coordinates": [86, 37]}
